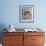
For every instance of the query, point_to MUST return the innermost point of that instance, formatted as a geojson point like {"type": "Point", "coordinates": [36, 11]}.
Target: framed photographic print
{"type": "Point", "coordinates": [26, 13]}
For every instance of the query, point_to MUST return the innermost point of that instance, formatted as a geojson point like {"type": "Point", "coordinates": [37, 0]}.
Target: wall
{"type": "Point", "coordinates": [9, 13]}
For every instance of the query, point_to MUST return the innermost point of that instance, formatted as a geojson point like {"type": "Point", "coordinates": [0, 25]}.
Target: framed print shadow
{"type": "Point", "coordinates": [26, 13]}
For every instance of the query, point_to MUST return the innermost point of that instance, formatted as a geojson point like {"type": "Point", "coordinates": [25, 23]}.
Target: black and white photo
{"type": "Point", "coordinates": [26, 13]}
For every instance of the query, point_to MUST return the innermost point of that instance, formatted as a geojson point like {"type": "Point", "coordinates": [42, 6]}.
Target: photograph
{"type": "Point", "coordinates": [26, 13]}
